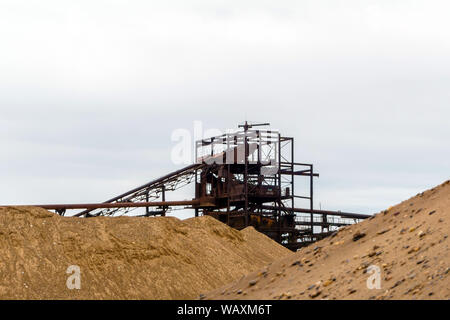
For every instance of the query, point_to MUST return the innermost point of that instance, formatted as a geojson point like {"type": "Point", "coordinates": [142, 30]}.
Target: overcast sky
{"type": "Point", "coordinates": [91, 91]}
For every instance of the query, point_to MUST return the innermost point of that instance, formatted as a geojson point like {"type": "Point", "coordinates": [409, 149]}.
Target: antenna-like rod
{"type": "Point", "coordinates": [247, 126]}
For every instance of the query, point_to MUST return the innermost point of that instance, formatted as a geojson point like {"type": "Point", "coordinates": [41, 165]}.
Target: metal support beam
{"type": "Point", "coordinates": [335, 213]}
{"type": "Point", "coordinates": [111, 205]}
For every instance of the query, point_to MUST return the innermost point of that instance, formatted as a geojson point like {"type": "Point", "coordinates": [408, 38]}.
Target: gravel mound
{"type": "Point", "coordinates": [406, 245]}
{"type": "Point", "coordinates": [123, 257]}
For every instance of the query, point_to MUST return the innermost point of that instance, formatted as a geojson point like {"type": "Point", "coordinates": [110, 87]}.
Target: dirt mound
{"type": "Point", "coordinates": [123, 257]}
{"type": "Point", "coordinates": [407, 244]}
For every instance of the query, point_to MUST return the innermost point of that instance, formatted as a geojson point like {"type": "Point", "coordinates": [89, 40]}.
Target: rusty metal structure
{"type": "Point", "coordinates": [245, 178]}
{"type": "Point", "coordinates": [248, 179]}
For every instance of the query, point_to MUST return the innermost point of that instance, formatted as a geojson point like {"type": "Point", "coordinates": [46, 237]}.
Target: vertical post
{"type": "Point", "coordinates": [259, 146]}
{"type": "Point", "coordinates": [164, 199]}
{"type": "Point", "coordinates": [258, 135]}
{"type": "Point", "coordinates": [147, 209]}
{"type": "Point", "coordinates": [197, 194]}
{"type": "Point", "coordinates": [228, 179]}
{"type": "Point", "coordinates": [197, 191]}
{"type": "Point", "coordinates": [294, 236]}
{"type": "Point", "coordinates": [292, 170]}
{"type": "Point", "coordinates": [279, 186]}
{"type": "Point", "coordinates": [311, 199]}
{"type": "Point", "coordinates": [212, 146]}
{"type": "Point", "coordinates": [246, 176]}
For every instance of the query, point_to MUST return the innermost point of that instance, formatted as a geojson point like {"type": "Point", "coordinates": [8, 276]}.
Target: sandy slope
{"type": "Point", "coordinates": [408, 243]}
{"type": "Point", "coordinates": [125, 257]}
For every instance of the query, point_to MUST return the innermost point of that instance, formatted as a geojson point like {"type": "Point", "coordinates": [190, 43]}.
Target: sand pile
{"type": "Point", "coordinates": [407, 243]}
{"type": "Point", "coordinates": [124, 257]}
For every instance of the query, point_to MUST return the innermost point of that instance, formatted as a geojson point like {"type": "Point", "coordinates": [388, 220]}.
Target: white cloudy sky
{"type": "Point", "coordinates": [90, 91]}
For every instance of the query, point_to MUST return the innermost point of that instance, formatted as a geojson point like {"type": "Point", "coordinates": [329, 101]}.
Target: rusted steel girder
{"type": "Point", "coordinates": [334, 213]}
{"type": "Point", "coordinates": [111, 205]}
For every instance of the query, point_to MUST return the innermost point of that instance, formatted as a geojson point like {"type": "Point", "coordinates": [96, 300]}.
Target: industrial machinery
{"type": "Point", "coordinates": [245, 178]}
